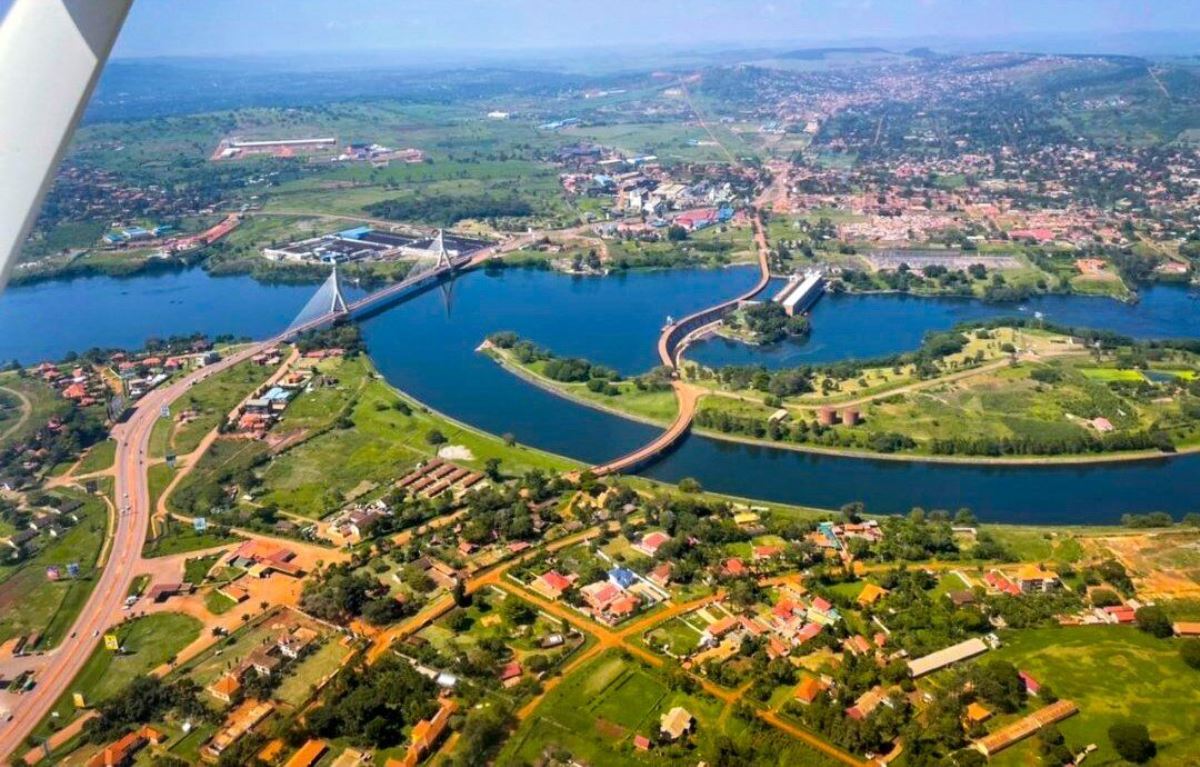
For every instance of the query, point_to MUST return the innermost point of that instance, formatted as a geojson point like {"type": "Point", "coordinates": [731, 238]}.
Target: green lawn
{"type": "Point", "coordinates": [659, 407]}
{"type": "Point", "coordinates": [194, 570]}
{"type": "Point", "coordinates": [1111, 673]}
{"type": "Point", "coordinates": [177, 537]}
{"type": "Point", "coordinates": [44, 402]}
{"type": "Point", "coordinates": [29, 601]}
{"type": "Point", "coordinates": [211, 400]}
{"type": "Point", "coordinates": [314, 478]}
{"type": "Point", "coordinates": [595, 713]}
{"type": "Point", "coordinates": [98, 458]}
{"type": "Point", "coordinates": [147, 643]}
{"type": "Point", "coordinates": [217, 603]}
{"type": "Point", "coordinates": [298, 687]}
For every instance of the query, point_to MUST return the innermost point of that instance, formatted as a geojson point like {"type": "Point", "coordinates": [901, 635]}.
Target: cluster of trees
{"type": "Point", "coordinates": [80, 429]}
{"type": "Point", "coordinates": [342, 594]}
{"type": "Point", "coordinates": [374, 703]}
{"type": "Point", "coordinates": [803, 432]}
{"type": "Point", "coordinates": [769, 323]}
{"type": "Point", "coordinates": [341, 335]}
{"type": "Point", "coordinates": [1075, 444]}
{"type": "Point", "coordinates": [448, 210]}
{"type": "Point", "coordinates": [599, 378]}
{"type": "Point", "coordinates": [145, 699]}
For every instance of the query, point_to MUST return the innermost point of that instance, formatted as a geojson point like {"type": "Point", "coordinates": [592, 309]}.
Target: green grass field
{"type": "Point", "coordinates": [98, 458]}
{"type": "Point", "coordinates": [211, 400]}
{"type": "Point", "coordinates": [30, 602]}
{"type": "Point", "coordinates": [147, 643]}
{"type": "Point", "coordinates": [314, 478]}
{"type": "Point", "coordinates": [595, 713]}
{"type": "Point", "coordinates": [1111, 673]}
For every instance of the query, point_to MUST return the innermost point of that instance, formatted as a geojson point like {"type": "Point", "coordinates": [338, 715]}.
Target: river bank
{"type": "Point", "coordinates": [506, 361]}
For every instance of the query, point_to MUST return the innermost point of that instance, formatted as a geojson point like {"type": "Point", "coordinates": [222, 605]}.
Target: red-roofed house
{"type": "Point", "coordinates": [650, 542]}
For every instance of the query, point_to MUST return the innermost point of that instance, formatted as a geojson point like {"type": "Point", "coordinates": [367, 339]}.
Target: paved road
{"type": "Point", "coordinates": [133, 502]}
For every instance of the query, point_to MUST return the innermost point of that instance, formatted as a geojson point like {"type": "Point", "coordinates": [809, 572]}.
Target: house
{"type": "Point", "coordinates": [552, 584]}
{"type": "Point", "coordinates": [510, 674]}
{"type": "Point", "coordinates": [1023, 728]}
{"type": "Point", "coordinates": [867, 703]}
{"type": "Point", "coordinates": [766, 552]}
{"type": "Point", "coordinates": [161, 592]}
{"type": "Point", "coordinates": [121, 752]}
{"type": "Point", "coordinates": [225, 688]}
{"type": "Point", "coordinates": [622, 577]}
{"type": "Point", "coordinates": [261, 557]}
{"type": "Point", "coordinates": [1032, 686]}
{"type": "Point", "coordinates": [263, 663]}
{"type": "Point", "coordinates": [241, 721]}
{"type": "Point", "coordinates": [600, 595]}
{"type": "Point", "coordinates": [235, 591]}
{"type": "Point", "coordinates": [293, 645]}
{"type": "Point", "coordinates": [719, 628]}
{"type": "Point", "coordinates": [961, 597]}
{"type": "Point", "coordinates": [308, 755]}
{"type": "Point", "coordinates": [650, 543]}
{"type": "Point", "coordinates": [998, 582]}
{"type": "Point", "coordinates": [1032, 578]}
{"type": "Point", "coordinates": [426, 734]}
{"type": "Point", "coordinates": [676, 723]}
{"type": "Point", "coordinates": [661, 575]}
{"type": "Point", "coordinates": [977, 713]}
{"type": "Point", "coordinates": [733, 567]}
{"type": "Point", "coordinates": [1186, 628]}
{"type": "Point", "coordinates": [1102, 425]}
{"type": "Point", "coordinates": [870, 595]}
{"type": "Point", "coordinates": [809, 689]}
{"type": "Point", "coordinates": [641, 742]}
{"type": "Point", "coordinates": [947, 656]}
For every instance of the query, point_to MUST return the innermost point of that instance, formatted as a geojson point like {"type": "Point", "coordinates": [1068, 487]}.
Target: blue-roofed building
{"type": "Point", "coordinates": [826, 529]}
{"type": "Point", "coordinates": [278, 394]}
{"type": "Point", "coordinates": [622, 577]}
{"type": "Point", "coordinates": [357, 233]}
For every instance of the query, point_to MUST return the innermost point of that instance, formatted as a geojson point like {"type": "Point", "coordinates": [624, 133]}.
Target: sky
{"type": "Point", "coordinates": [239, 27]}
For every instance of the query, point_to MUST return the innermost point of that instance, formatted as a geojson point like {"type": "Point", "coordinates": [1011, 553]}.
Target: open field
{"type": "Point", "coordinates": [595, 712]}
{"type": "Point", "coordinates": [146, 642]}
{"type": "Point", "coordinates": [1112, 673]}
{"type": "Point", "coordinates": [314, 477]}
{"type": "Point", "coordinates": [30, 601]}
{"type": "Point", "coordinates": [207, 403]}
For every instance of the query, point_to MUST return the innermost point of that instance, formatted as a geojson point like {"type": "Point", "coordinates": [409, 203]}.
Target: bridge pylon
{"type": "Point", "coordinates": [439, 250]}
{"type": "Point", "coordinates": [337, 302]}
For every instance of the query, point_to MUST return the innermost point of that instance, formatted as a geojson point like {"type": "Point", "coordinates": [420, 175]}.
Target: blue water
{"type": "Point", "coordinates": [45, 320]}
{"type": "Point", "coordinates": [426, 346]}
{"type": "Point", "coordinates": [875, 325]}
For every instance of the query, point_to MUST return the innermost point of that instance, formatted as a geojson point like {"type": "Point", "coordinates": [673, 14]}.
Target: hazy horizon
{"type": "Point", "coordinates": [409, 29]}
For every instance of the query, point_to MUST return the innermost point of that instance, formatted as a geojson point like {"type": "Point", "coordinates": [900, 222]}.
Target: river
{"type": "Point", "coordinates": [426, 346]}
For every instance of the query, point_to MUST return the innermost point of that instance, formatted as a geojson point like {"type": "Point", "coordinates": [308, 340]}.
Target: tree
{"type": "Point", "coordinates": [435, 437]}
{"type": "Point", "coordinates": [1189, 651]}
{"type": "Point", "coordinates": [1154, 621]}
{"type": "Point", "coordinates": [689, 485]}
{"type": "Point", "coordinates": [1132, 741]}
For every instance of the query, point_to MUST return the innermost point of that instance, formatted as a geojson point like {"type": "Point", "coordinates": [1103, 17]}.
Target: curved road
{"type": "Point", "coordinates": [133, 504]}
{"type": "Point", "coordinates": [132, 438]}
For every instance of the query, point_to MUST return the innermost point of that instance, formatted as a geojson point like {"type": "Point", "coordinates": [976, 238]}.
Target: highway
{"type": "Point", "coordinates": [133, 516]}
{"type": "Point", "coordinates": [132, 497]}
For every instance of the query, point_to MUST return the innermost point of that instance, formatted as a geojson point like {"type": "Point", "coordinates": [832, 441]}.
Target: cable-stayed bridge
{"type": "Point", "coordinates": [328, 303]}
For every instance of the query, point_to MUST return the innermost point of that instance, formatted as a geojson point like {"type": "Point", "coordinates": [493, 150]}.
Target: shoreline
{"type": "Point", "coordinates": [982, 461]}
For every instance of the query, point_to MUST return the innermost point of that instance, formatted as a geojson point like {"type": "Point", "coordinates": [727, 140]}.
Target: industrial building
{"type": "Point", "coordinates": [801, 292]}
{"type": "Point", "coordinates": [366, 244]}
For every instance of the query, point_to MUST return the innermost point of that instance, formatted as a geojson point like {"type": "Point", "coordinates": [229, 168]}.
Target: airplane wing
{"type": "Point", "coordinates": [51, 55]}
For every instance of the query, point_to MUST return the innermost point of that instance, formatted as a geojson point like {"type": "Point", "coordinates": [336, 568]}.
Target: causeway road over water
{"type": "Point", "coordinates": [671, 341]}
